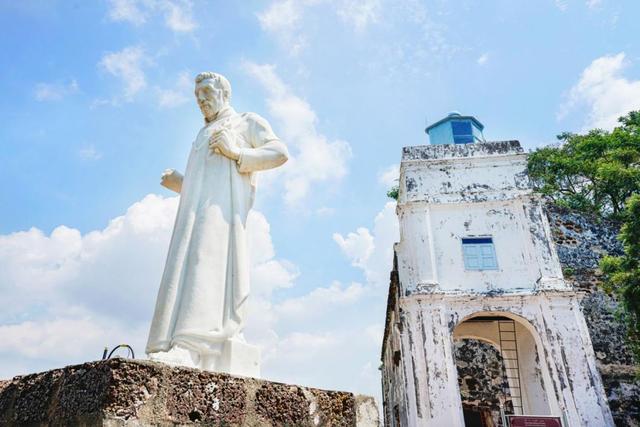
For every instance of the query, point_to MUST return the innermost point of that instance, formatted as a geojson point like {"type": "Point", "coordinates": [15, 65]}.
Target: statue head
{"type": "Point", "coordinates": [213, 92]}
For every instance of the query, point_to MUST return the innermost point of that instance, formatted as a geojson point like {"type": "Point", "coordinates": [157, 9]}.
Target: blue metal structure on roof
{"type": "Point", "coordinates": [456, 129]}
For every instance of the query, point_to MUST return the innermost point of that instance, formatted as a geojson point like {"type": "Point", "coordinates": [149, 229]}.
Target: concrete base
{"type": "Point", "coordinates": [240, 358]}
{"type": "Point", "coordinates": [234, 357]}
{"type": "Point", "coordinates": [123, 392]}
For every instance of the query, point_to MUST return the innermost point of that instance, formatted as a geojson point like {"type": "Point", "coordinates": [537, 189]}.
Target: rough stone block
{"type": "Point", "coordinates": [123, 392]}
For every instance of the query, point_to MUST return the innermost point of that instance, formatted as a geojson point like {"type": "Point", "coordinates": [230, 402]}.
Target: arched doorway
{"type": "Point", "coordinates": [482, 381]}
{"type": "Point", "coordinates": [498, 364]}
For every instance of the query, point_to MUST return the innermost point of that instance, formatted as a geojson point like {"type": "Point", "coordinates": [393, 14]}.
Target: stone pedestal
{"type": "Point", "coordinates": [122, 392]}
{"type": "Point", "coordinates": [240, 358]}
{"type": "Point", "coordinates": [233, 357]}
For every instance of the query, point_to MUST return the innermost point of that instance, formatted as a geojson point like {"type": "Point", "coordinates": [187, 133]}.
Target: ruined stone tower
{"type": "Point", "coordinates": [476, 262]}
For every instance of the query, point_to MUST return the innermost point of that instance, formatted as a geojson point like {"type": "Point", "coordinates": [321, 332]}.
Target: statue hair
{"type": "Point", "coordinates": [219, 80]}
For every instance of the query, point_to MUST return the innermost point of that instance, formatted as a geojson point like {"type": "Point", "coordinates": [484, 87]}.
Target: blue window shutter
{"type": "Point", "coordinates": [471, 257]}
{"type": "Point", "coordinates": [462, 132]}
{"type": "Point", "coordinates": [479, 253]}
{"type": "Point", "coordinates": [488, 256]}
{"type": "Point", "coordinates": [461, 128]}
{"type": "Point", "coordinates": [463, 139]}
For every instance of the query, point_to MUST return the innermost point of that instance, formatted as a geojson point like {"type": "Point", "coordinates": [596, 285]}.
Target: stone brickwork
{"type": "Point", "coordinates": [581, 241]}
{"type": "Point", "coordinates": [481, 377]}
{"type": "Point", "coordinates": [122, 392]}
{"type": "Point", "coordinates": [449, 197]}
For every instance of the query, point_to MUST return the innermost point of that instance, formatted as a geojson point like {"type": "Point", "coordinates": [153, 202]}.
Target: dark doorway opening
{"type": "Point", "coordinates": [477, 417]}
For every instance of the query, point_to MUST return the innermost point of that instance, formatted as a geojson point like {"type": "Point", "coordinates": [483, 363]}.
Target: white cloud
{"type": "Point", "coordinates": [126, 65]}
{"type": "Point", "coordinates": [268, 273]}
{"type": "Point", "coordinates": [314, 158]}
{"type": "Point", "coordinates": [99, 271]}
{"type": "Point", "coordinates": [76, 292]}
{"type": "Point", "coordinates": [357, 246]}
{"type": "Point", "coordinates": [563, 5]}
{"type": "Point", "coordinates": [178, 95]}
{"type": "Point", "coordinates": [334, 359]}
{"type": "Point", "coordinates": [61, 338]}
{"type": "Point", "coordinates": [131, 11]}
{"type": "Point", "coordinates": [604, 91]}
{"type": "Point", "coordinates": [483, 59]}
{"type": "Point", "coordinates": [373, 252]}
{"type": "Point", "coordinates": [178, 14]}
{"type": "Point", "coordinates": [281, 15]}
{"type": "Point", "coordinates": [398, 38]}
{"type": "Point", "coordinates": [55, 92]}
{"type": "Point", "coordinates": [375, 332]}
{"type": "Point", "coordinates": [99, 102]}
{"type": "Point", "coordinates": [67, 294]}
{"type": "Point", "coordinates": [297, 347]}
{"type": "Point", "coordinates": [360, 13]}
{"type": "Point", "coordinates": [592, 4]}
{"type": "Point", "coordinates": [285, 19]}
{"type": "Point", "coordinates": [325, 211]}
{"type": "Point", "coordinates": [282, 19]}
{"type": "Point", "coordinates": [318, 301]}
{"type": "Point", "coordinates": [89, 153]}
{"type": "Point", "coordinates": [389, 176]}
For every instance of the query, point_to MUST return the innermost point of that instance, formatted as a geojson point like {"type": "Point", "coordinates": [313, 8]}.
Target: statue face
{"type": "Point", "coordinates": [210, 99]}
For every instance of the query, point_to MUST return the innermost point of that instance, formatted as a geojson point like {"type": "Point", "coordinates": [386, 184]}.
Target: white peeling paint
{"type": "Point", "coordinates": [448, 193]}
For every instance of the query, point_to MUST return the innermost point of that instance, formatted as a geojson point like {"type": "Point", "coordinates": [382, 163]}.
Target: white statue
{"type": "Point", "coordinates": [200, 310]}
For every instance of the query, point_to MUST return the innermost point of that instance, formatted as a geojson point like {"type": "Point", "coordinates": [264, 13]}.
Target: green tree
{"type": "Point", "coordinates": [599, 173]}
{"type": "Point", "coordinates": [622, 273]}
{"type": "Point", "coordinates": [595, 172]}
{"type": "Point", "coordinates": [394, 193]}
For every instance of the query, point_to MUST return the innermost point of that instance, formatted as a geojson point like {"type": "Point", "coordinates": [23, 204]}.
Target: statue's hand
{"type": "Point", "coordinates": [224, 142]}
{"type": "Point", "coordinates": [172, 180]}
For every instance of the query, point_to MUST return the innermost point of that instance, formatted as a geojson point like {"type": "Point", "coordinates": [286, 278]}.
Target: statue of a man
{"type": "Point", "coordinates": [200, 310]}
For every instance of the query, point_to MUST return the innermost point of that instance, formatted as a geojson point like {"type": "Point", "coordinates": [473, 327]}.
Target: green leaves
{"type": "Point", "coordinates": [622, 274]}
{"type": "Point", "coordinates": [593, 173]}
{"type": "Point", "coordinates": [394, 192]}
{"type": "Point", "coordinates": [599, 173]}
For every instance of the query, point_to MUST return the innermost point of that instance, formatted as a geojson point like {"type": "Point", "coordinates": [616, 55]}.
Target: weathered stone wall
{"type": "Point", "coordinates": [481, 377]}
{"type": "Point", "coordinates": [120, 392]}
{"type": "Point", "coordinates": [580, 242]}
{"type": "Point", "coordinates": [446, 194]}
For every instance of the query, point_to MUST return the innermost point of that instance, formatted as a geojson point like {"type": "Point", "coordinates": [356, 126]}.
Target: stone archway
{"type": "Point", "coordinates": [483, 385]}
{"type": "Point", "coordinates": [498, 363]}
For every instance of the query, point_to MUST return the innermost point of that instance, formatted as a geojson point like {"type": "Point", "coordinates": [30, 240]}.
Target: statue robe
{"type": "Point", "coordinates": [205, 284]}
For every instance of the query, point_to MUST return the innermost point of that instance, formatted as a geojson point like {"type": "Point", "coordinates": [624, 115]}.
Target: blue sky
{"type": "Point", "coordinates": [97, 102]}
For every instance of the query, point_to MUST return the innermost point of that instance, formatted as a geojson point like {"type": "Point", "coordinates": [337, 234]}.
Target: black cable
{"type": "Point", "coordinates": [127, 346]}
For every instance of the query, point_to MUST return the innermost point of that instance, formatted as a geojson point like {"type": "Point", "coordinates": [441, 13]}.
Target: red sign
{"type": "Point", "coordinates": [533, 421]}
